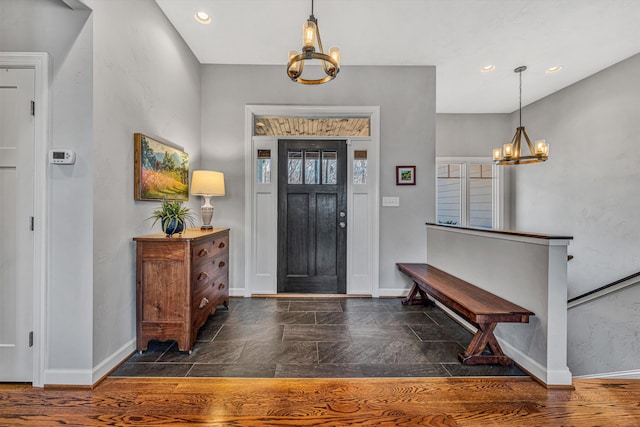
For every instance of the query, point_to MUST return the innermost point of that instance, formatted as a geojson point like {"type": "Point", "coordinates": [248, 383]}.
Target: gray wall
{"type": "Point", "coordinates": [50, 26]}
{"type": "Point", "coordinates": [146, 80]}
{"type": "Point", "coordinates": [406, 96]}
{"type": "Point", "coordinates": [471, 135]}
{"type": "Point", "coordinates": [589, 189]}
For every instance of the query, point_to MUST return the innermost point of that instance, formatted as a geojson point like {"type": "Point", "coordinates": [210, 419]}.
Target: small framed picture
{"type": "Point", "coordinates": [405, 175]}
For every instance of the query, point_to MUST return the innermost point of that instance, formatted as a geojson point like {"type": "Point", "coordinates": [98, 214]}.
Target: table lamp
{"type": "Point", "coordinates": [207, 184]}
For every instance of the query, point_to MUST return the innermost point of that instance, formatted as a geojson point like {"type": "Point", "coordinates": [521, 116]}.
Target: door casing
{"type": "Point", "coordinates": [41, 64]}
{"type": "Point", "coordinates": [260, 263]}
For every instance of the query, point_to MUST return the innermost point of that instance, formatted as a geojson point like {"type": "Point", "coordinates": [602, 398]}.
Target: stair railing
{"type": "Point", "coordinates": [605, 290]}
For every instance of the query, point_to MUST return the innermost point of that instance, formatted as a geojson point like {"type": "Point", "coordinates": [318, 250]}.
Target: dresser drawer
{"type": "Point", "coordinates": [208, 299]}
{"type": "Point", "coordinates": [204, 273]}
{"type": "Point", "coordinates": [215, 291]}
{"type": "Point", "coordinates": [208, 249]}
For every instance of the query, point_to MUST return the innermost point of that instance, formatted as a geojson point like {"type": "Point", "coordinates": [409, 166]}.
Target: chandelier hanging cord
{"type": "Point", "coordinates": [523, 131]}
{"type": "Point", "coordinates": [519, 70]}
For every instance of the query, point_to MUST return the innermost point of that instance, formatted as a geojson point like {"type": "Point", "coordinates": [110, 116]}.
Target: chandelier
{"type": "Point", "coordinates": [311, 39]}
{"type": "Point", "coordinates": [510, 153]}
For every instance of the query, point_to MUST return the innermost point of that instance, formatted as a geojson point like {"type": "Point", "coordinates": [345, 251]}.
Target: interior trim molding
{"type": "Point", "coordinates": [113, 361]}
{"type": "Point", "coordinates": [268, 283]}
{"type": "Point", "coordinates": [620, 375]}
{"type": "Point", "coordinates": [40, 62]}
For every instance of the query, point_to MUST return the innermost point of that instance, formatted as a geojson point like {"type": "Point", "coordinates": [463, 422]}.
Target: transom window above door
{"type": "Point", "coordinates": [311, 126]}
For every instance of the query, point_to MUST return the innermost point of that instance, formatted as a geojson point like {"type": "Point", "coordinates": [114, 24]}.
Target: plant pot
{"type": "Point", "coordinates": [172, 227]}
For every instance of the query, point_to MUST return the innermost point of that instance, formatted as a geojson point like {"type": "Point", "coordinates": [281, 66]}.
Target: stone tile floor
{"type": "Point", "coordinates": [317, 337]}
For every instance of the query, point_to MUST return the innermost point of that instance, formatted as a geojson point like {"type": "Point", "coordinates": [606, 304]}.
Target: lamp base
{"type": "Point", "coordinates": [207, 214]}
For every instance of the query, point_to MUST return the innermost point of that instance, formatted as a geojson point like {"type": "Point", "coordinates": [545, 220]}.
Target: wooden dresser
{"type": "Point", "coordinates": [180, 281]}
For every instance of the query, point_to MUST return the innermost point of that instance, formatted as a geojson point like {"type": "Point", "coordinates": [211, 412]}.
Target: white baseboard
{"type": "Point", "coordinates": [79, 377]}
{"type": "Point", "coordinates": [621, 375]}
{"type": "Point", "coordinates": [239, 292]}
{"type": "Point", "coordinates": [393, 292]}
{"type": "Point", "coordinates": [88, 377]}
{"type": "Point", "coordinates": [113, 360]}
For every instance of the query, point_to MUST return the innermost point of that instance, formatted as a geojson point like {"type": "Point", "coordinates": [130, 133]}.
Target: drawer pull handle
{"type": "Point", "coordinates": [203, 252]}
{"type": "Point", "coordinates": [203, 275]}
{"type": "Point", "coordinates": [221, 286]}
{"type": "Point", "coordinates": [203, 303]}
{"type": "Point", "coordinates": [221, 245]}
{"type": "Point", "coordinates": [222, 264]}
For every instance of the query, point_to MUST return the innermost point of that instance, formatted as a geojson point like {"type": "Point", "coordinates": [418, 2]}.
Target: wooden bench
{"type": "Point", "coordinates": [481, 308]}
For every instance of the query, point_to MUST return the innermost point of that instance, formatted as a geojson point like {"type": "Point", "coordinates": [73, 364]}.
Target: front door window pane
{"type": "Point", "coordinates": [295, 167]}
{"type": "Point", "coordinates": [311, 167]}
{"type": "Point", "coordinates": [329, 167]}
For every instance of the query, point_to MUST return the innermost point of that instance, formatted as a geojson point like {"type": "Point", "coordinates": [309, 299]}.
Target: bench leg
{"type": "Point", "coordinates": [473, 355]}
{"type": "Point", "coordinates": [412, 300]}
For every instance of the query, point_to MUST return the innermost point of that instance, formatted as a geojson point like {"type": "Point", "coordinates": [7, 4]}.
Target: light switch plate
{"type": "Point", "coordinates": [391, 201]}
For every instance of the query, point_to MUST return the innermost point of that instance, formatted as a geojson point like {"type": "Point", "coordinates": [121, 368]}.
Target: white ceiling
{"type": "Point", "coordinates": [457, 36]}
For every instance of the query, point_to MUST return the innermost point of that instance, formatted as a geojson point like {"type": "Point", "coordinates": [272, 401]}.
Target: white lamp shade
{"type": "Point", "coordinates": [207, 183]}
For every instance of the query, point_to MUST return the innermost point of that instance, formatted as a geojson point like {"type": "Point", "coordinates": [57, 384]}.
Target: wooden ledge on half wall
{"type": "Point", "coordinates": [503, 232]}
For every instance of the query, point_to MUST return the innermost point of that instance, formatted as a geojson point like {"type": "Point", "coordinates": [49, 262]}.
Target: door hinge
{"type": "Point", "coordinates": [31, 223]}
{"type": "Point", "coordinates": [33, 108]}
{"type": "Point", "coordinates": [31, 339]}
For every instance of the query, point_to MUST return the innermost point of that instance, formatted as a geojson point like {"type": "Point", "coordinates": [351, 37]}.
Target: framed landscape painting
{"type": "Point", "coordinates": [405, 175]}
{"type": "Point", "coordinates": [161, 170]}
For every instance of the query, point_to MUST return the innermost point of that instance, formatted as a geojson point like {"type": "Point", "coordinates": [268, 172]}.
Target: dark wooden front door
{"type": "Point", "coordinates": [312, 216]}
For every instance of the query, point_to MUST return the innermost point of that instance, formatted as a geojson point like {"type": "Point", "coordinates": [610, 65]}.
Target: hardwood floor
{"type": "Point", "coordinates": [324, 402]}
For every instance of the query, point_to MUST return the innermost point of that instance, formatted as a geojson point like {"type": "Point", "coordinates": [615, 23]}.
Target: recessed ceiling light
{"type": "Point", "coordinates": [488, 68]}
{"type": "Point", "coordinates": [203, 17]}
{"type": "Point", "coordinates": [554, 69]}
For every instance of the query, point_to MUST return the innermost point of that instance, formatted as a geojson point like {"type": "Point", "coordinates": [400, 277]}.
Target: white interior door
{"type": "Point", "coordinates": [16, 210]}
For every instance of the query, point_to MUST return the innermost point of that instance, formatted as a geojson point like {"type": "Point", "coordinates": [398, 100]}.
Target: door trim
{"type": "Point", "coordinates": [266, 283]}
{"type": "Point", "coordinates": [41, 64]}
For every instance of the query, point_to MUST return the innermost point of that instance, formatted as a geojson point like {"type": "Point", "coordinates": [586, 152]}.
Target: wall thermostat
{"type": "Point", "coordinates": [62, 157]}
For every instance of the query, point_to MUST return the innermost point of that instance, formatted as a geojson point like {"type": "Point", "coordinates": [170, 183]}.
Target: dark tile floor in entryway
{"type": "Point", "coordinates": [318, 338]}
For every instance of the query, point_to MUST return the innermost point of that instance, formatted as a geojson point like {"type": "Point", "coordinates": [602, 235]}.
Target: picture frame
{"type": "Point", "coordinates": [161, 170]}
{"type": "Point", "coordinates": [405, 175]}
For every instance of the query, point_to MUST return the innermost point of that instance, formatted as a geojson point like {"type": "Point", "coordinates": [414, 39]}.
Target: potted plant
{"type": "Point", "coordinates": [172, 216]}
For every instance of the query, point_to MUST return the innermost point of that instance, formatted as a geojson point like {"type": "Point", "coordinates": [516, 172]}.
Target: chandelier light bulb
{"type": "Point", "coordinates": [334, 52]}
{"type": "Point", "coordinates": [309, 36]}
{"type": "Point", "coordinates": [295, 66]}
